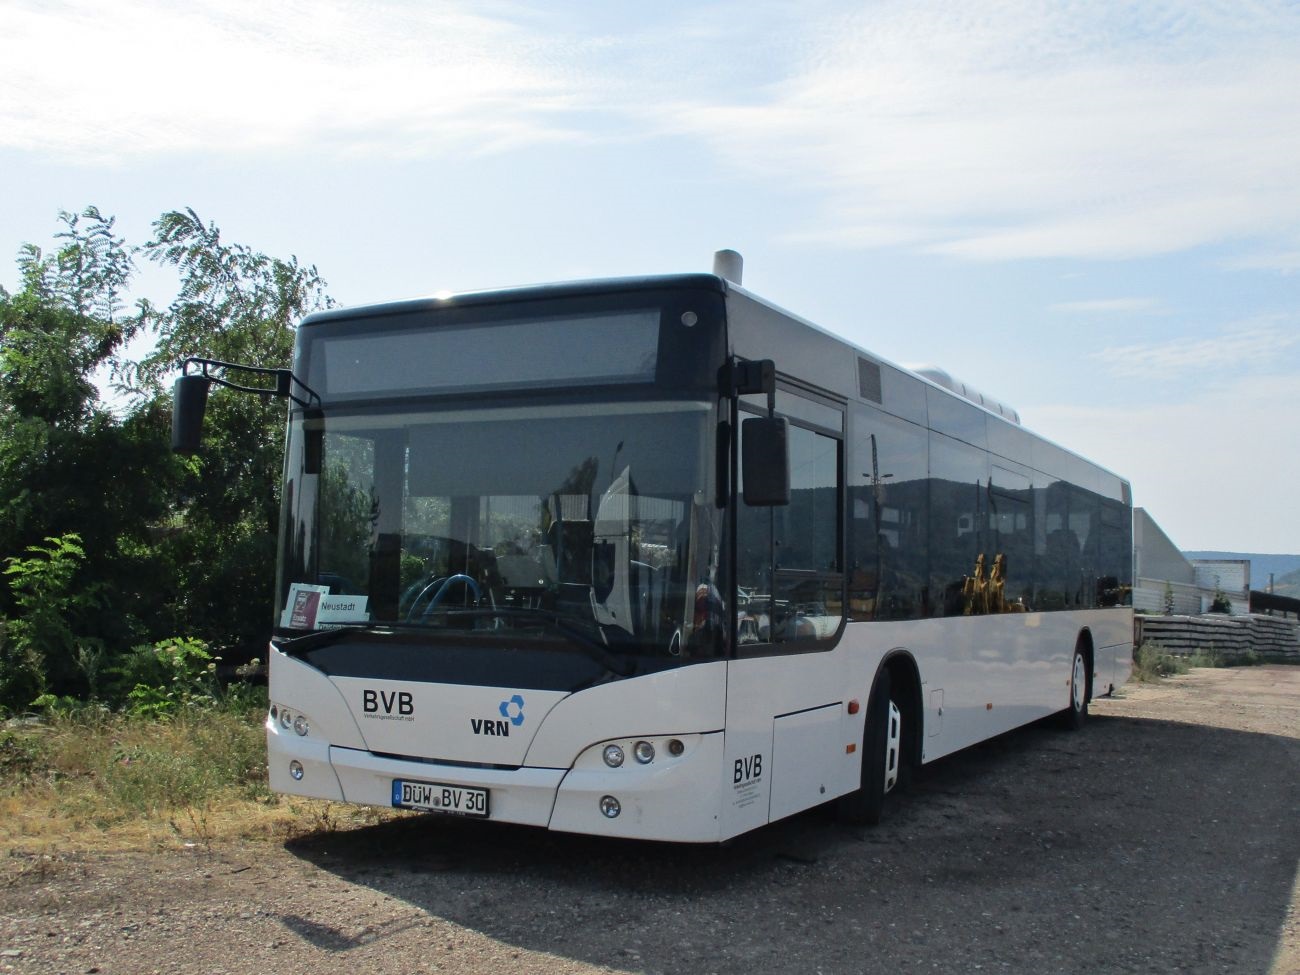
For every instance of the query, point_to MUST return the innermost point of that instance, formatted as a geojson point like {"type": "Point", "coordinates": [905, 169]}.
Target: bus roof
{"type": "Point", "coordinates": [662, 282]}
{"type": "Point", "coordinates": [533, 292]}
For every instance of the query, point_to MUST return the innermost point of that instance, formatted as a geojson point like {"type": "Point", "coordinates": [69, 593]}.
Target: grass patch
{"type": "Point", "coordinates": [97, 771]}
{"type": "Point", "coordinates": [1150, 664]}
{"type": "Point", "coordinates": [91, 779]}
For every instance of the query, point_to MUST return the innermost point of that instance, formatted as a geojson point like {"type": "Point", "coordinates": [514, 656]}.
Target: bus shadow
{"type": "Point", "coordinates": [1136, 845]}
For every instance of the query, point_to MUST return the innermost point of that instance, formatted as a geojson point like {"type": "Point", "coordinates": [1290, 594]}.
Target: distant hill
{"type": "Point", "coordinates": [1285, 569]}
{"type": "Point", "coordinates": [1287, 585]}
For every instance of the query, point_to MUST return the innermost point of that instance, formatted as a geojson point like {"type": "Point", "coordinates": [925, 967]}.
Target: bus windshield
{"type": "Point", "coordinates": [532, 524]}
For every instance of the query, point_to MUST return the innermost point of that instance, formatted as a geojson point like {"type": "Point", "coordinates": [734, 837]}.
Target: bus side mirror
{"type": "Point", "coordinates": [189, 401]}
{"type": "Point", "coordinates": [765, 461]}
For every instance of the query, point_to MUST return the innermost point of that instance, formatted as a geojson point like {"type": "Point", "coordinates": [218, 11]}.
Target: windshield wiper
{"type": "Point", "coordinates": [562, 623]}
{"type": "Point", "coordinates": [337, 631]}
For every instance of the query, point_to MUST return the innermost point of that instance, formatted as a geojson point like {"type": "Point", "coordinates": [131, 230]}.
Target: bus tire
{"type": "Point", "coordinates": [882, 757]}
{"type": "Point", "coordinates": [1076, 715]}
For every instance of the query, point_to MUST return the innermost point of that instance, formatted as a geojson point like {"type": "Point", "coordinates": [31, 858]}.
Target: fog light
{"type": "Point", "coordinates": [286, 719]}
{"type": "Point", "coordinates": [300, 725]}
{"type": "Point", "coordinates": [295, 769]}
{"type": "Point", "coordinates": [613, 758]}
{"type": "Point", "coordinates": [644, 752]}
{"type": "Point", "coordinates": [675, 747]}
{"type": "Point", "coordinates": [610, 807]}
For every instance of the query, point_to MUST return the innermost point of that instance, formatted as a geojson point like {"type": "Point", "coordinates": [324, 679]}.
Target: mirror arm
{"type": "Point", "coordinates": [739, 377]}
{"type": "Point", "coordinates": [285, 380]}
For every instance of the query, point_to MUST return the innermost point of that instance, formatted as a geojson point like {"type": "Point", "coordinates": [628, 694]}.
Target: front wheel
{"type": "Point", "coordinates": [882, 757]}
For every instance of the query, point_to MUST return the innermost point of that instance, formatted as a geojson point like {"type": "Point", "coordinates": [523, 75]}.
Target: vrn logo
{"type": "Point", "coordinates": [512, 713]}
{"type": "Point", "coordinates": [389, 702]}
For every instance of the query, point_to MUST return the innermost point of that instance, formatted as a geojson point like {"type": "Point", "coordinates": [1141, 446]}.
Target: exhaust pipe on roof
{"type": "Point", "coordinates": [728, 264]}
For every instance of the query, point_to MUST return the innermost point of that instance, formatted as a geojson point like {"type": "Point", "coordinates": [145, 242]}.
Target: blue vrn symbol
{"type": "Point", "coordinates": [514, 710]}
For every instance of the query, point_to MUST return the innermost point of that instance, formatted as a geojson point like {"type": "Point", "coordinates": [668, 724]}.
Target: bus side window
{"type": "Point", "coordinates": [888, 507]}
{"type": "Point", "coordinates": [788, 573]}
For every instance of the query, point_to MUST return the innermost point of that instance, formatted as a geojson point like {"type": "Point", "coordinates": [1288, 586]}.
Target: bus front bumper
{"type": "Point", "coordinates": [675, 800]}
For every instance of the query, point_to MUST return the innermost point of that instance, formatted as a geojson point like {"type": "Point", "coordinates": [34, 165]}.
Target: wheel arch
{"type": "Point", "coordinates": [905, 688]}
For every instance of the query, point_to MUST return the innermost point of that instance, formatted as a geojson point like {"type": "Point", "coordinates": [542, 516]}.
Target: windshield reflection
{"type": "Point", "coordinates": [561, 523]}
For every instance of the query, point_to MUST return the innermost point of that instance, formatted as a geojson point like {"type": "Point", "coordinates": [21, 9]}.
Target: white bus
{"type": "Point", "coordinates": [531, 572]}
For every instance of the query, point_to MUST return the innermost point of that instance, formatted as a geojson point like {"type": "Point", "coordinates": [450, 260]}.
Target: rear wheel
{"type": "Point", "coordinates": [882, 757]}
{"type": "Point", "coordinates": [1076, 714]}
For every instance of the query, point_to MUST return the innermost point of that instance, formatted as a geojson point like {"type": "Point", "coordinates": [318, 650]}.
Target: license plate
{"type": "Point", "coordinates": [463, 800]}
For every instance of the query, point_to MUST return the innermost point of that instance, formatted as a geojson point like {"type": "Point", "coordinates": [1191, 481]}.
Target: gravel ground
{"type": "Point", "coordinates": [1163, 838]}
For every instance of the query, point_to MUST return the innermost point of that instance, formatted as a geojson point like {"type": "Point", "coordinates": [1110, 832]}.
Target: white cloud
{"type": "Point", "coordinates": [1214, 471]}
{"type": "Point", "coordinates": [1243, 346]}
{"type": "Point", "coordinates": [1033, 129]}
{"type": "Point", "coordinates": [85, 81]}
{"type": "Point", "coordinates": [1000, 130]}
{"type": "Point", "coordinates": [1106, 305]}
{"type": "Point", "coordinates": [1282, 261]}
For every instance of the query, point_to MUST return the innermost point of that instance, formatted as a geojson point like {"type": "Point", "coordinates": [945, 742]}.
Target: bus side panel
{"type": "Point", "coordinates": [996, 673]}
{"type": "Point", "coordinates": [788, 736]}
{"type": "Point", "coordinates": [1112, 636]}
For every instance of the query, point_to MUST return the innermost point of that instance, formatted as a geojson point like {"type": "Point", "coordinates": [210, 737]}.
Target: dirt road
{"type": "Point", "coordinates": [1163, 838]}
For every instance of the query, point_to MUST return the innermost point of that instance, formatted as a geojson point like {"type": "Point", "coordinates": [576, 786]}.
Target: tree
{"type": "Point", "coordinates": [144, 546]}
{"type": "Point", "coordinates": [234, 303]}
{"type": "Point", "coordinates": [237, 305]}
{"type": "Point", "coordinates": [61, 451]}
{"type": "Point", "coordinates": [64, 458]}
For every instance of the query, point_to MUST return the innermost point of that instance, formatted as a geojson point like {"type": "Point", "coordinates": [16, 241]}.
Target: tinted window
{"type": "Point", "coordinates": [788, 573]}
{"type": "Point", "coordinates": [961, 551]}
{"type": "Point", "coordinates": [617, 347]}
{"type": "Point", "coordinates": [956, 417]}
{"type": "Point", "coordinates": [887, 509]}
{"type": "Point", "coordinates": [1011, 512]}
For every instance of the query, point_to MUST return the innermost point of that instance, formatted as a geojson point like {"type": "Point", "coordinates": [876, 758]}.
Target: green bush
{"type": "Point", "coordinates": [40, 640]}
{"type": "Point", "coordinates": [1150, 663]}
{"type": "Point", "coordinates": [154, 680]}
{"type": "Point", "coordinates": [20, 757]}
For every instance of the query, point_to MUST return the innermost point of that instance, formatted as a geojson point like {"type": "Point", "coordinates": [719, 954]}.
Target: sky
{"type": "Point", "coordinates": [1089, 210]}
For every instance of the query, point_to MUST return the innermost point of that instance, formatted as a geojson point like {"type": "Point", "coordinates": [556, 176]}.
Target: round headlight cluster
{"type": "Point", "coordinates": [288, 720]}
{"type": "Point", "coordinates": [643, 751]}
{"type": "Point", "coordinates": [614, 755]}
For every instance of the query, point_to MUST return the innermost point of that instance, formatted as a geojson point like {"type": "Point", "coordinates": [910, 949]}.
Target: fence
{"type": "Point", "coordinates": [1229, 636]}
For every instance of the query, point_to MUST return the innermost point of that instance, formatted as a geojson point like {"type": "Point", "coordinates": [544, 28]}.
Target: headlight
{"type": "Point", "coordinates": [288, 720]}
{"type": "Point", "coordinates": [644, 752]}
{"type": "Point", "coordinates": [613, 757]}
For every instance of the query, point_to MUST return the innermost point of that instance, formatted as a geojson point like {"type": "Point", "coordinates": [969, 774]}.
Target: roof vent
{"type": "Point", "coordinates": [941, 378]}
{"type": "Point", "coordinates": [728, 264]}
